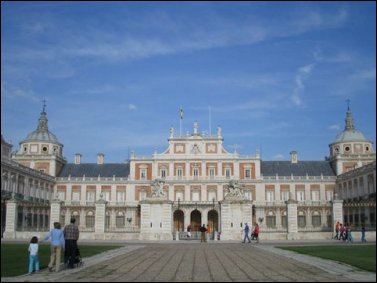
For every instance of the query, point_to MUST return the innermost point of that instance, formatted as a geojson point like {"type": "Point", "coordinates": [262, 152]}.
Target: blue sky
{"type": "Point", "coordinates": [115, 74]}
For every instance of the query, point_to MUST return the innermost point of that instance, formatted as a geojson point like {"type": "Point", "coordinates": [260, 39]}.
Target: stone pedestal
{"type": "Point", "coordinates": [156, 219]}
{"type": "Point", "coordinates": [10, 220]}
{"type": "Point", "coordinates": [55, 212]}
{"type": "Point", "coordinates": [337, 212]}
{"type": "Point", "coordinates": [99, 228]}
{"type": "Point", "coordinates": [292, 219]}
{"type": "Point", "coordinates": [235, 212]}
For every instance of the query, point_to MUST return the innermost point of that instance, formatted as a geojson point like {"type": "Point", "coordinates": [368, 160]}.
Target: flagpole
{"type": "Point", "coordinates": [180, 121]}
{"type": "Point", "coordinates": [209, 121]}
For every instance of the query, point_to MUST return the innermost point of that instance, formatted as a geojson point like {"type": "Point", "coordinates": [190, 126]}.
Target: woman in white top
{"type": "Point", "coordinates": [33, 255]}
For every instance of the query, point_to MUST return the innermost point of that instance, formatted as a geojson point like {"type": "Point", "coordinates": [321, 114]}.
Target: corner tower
{"type": "Point", "coordinates": [350, 149]}
{"type": "Point", "coordinates": [41, 150]}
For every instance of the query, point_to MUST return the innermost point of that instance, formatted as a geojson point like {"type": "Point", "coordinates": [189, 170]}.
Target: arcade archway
{"type": "Point", "coordinates": [196, 220]}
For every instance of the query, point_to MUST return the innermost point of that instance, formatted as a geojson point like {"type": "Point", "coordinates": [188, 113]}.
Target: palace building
{"type": "Point", "coordinates": [195, 181]}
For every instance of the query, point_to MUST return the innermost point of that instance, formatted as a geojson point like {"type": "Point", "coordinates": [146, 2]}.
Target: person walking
{"type": "Point", "coordinates": [363, 240]}
{"type": "Point", "coordinates": [33, 255]}
{"type": "Point", "coordinates": [208, 233]}
{"type": "Point", "coordinates": [256, 232]}
{"type": "Point", "coordinates": [349, 234]}
{"type": "Point", "coordinates": [203, 231]}
{"type": "Point", "coordinates": [246, 231]}
{"type": "Point", "coordinates": [57, 244]}
{"type": "Point", "coordinates": [337, 226]}
{"type": "Point", "coordinates": [189, 231]}
{"type": "Point", "coordinates": [71, 235]}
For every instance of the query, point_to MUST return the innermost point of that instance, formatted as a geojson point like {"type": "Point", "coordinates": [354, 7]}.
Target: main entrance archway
{"type": "Point", "coordinates": [178, 218]}
{"type": "Point", "coordinates": [213, 220]}
{"type": "Point", "coordinates": [196, 220]}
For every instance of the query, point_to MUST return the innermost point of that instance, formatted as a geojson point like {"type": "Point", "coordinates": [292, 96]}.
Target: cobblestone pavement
{"type": "Point", "coordinates": [183, 261]}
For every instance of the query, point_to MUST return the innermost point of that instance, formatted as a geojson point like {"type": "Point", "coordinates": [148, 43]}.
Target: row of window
{"type": "Point", "coordinates": [195, 173]}
{"type": "Point", "coordinates": [195, 195]}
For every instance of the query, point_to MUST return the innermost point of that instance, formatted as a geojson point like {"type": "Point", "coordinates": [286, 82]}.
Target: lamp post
{"type": "Point", "coordinates": [213, 218]}
{"type": "Point", "coordinates": [179, 200]}
{"type": "Point", "coordinates": [129, 219]}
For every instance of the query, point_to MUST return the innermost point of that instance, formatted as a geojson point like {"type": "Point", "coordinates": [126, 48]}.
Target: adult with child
{"type": "Point", "coordinates": [71, 234]}
{"type": "Point", "coordinates": [33, 255]}
{"type": "Point", "coordinates": [57, 244]}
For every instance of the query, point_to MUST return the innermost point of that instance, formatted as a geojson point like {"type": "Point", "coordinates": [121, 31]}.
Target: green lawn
{"type": "Point", "coordinates": [361, 256]}
{"type": "Point", "coordinates": [15, 258]}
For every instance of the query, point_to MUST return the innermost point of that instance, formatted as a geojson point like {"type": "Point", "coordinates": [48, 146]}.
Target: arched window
{"type": "Point", "coordinates": [76, 215]}
{"type": "Point", "coordinates": [90, 219]}
{"type": "Point", "coordinates": [316, 219]}
{"type": "Point", "coordinates": [270, 219]}
{"type": "Point", "coordinates": [284, 219]}
{"type": "Point", "coordinates": [120, 219]}
{"type": "Point", "coordinates": [301, 219]}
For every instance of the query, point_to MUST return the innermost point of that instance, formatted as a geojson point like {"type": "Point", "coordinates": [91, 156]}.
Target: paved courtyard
{"type": "Point", "coordinates": [189, 261]}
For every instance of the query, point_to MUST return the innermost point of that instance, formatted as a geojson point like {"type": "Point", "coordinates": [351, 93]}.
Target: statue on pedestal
{"type": "Point", "coordinates": [158, 188]}
{"type": "Point", "coordinates": [235, 189]}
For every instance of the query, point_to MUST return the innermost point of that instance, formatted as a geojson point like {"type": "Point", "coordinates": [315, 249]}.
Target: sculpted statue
{"type": "Point", "coordinates": [158, 188]}
{"type": "Point", "coordinates": [235, 189]}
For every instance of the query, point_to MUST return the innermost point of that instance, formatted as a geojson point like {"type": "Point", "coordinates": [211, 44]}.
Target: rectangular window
{"type": "Point", "coordinates": [329, 195]}
{"type": "Point", "coordinates": [106, 195]}
{"type": "Point", "coordinates": [179, 173]}
{"type": "Point", "coordinates": [212, 173]}
{"type": "Point", "coordinates": [163, 173]}
{"type": "Point", "coordinates": [196, 173]}
{"type": "Point", "coordinates": [212, 195]}
{"type": "Point", "coordinates": [121, 196]}
{"type": "Point", "coordinates": [61, 195]}
{"type": "Point", "coordinates": [195, 196]}
{"type": "Point", "coordinates": [143, 195]}
{"type": "Point", "coordinates": [315, 195]}
{"type": "Point", "coordinates": [247, 173]}
{"type": "Point", "coordinates": [248, 195]}
{"type": "Point", "coordinates": [300, 195]}
{"type": "Point", "coordinates": [284, 195]}
{"type": "Point", "coordinates": [270, 196]}
{"type": "Point", "coordinates": [75, 196]}
{"type": "Point", "coordinates": [179, 196]}
{"type": "Point", "coordinates": [143, 174]}
{"type": "Point", "coordinates": [90, 196]}
{"type": "Point", "coordinates": [227, 173]}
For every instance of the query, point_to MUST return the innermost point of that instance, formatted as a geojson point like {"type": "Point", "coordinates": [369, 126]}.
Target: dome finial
{"type": "Point", "coordinates": [349, 119]}
{"type": "Point", "coordinates": [44, 106]}
{"type": "Point", "coordinates": [348, 104]}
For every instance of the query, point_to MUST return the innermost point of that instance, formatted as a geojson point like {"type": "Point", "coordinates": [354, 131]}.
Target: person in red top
{"type": "Point", "coordinates": [256, 232]}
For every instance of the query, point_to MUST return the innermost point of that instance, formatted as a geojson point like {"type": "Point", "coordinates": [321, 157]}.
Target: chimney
{"type": "Point", "coordinates": [293, 156]}
{"type": "Point", "coordinates": [100, 158]}
{"type": "Point", "coordinates": [77, 158]}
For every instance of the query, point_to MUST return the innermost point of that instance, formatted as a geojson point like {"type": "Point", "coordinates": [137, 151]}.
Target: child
{"type": "Point", "coordinates": [33, 255]}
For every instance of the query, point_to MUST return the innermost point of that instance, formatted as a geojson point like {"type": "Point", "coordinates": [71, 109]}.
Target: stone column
{"type": "Point", "coordinates": [10, 220]}
{"type": "Point", "coordinates": [337, 212]}
{"type": "Point", "coordinates": [292, 219]}
{"type": "Point", "coordinates": [55, 212]}
{"type": "Point", "coordinates": [156, 219]}
{"type": "Point", "coordinates": [100, 219]}
{"type": "Point", "coordinates": [235, 212]}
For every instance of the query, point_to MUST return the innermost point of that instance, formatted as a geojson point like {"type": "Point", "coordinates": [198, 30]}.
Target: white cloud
{"type": "Point", "coordinates": [334, 127]}
{"type": "Point", "coordinates": [369, 74]}
{"type": "Point", "coordinates": [278, 157]}
{"type": "Point", "coordinates": [301, 75]}
{"type": "Point", "coordinates": [131, 107]}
